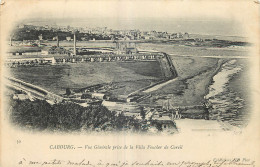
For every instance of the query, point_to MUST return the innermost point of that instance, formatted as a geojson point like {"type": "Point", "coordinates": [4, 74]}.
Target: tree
{"type": "Point", "coordinates": [142, 113]}
{"type": "Point", "coordinates": [67, 116]}
{"type": "Point", "coordinates": [68, 91]}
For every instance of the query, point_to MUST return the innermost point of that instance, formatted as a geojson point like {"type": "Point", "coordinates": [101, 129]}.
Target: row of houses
{"type": "Point", "coordinates": [37, 51]}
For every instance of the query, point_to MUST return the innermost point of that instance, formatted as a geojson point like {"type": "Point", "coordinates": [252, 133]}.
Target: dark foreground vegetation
{"type": "Point", "coordinates": [68, 116]}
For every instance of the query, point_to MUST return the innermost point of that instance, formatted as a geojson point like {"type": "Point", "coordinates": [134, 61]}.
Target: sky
{"type": "Point", "coordinates": [195, 17]}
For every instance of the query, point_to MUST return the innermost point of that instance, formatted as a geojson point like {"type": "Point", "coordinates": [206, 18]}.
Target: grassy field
{"type": "Point", "coordinates": [56, 78]}
{"type": "Point", "coordinates": [190, 66]}
{"type": "Point", "coordinates": [194, 51]}
{"type": "Point", "coordinates": [151, 68]}
{"type": "Point", "coordinates": [128, 87]}
{"type": "Point", "coordinates": [195, 74]}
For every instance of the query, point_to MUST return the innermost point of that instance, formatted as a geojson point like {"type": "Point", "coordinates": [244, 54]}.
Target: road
{"type": "Point", "coordinates": [31, 89]}
{"type": "Point", "coordinates": [159, 85]}
{"type": "Point", "coordinates": [218, 57]}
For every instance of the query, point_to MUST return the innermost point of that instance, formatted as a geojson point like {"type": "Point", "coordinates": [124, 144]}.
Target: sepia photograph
{"type": "Point", "coordinates": [133, 75]}
{"type": "Point", "coordinates": [127, 71]}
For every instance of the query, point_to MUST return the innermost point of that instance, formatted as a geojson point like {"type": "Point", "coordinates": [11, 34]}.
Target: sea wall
{"type": "Point", "coordinates": [167, 66]}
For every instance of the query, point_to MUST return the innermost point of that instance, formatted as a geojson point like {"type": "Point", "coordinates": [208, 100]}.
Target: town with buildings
{"type": "Point", "coordinates": [92, 34]}
{"type": "Point", "coordinates": [32, 46]}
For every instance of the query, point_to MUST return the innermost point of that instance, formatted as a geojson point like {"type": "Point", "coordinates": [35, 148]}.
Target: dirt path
{"type": "Point", "coordinates": [159, 85]}
{"type": "Point", "coordinates": [217, 57]}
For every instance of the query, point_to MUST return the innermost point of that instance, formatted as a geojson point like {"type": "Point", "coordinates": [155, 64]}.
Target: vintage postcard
{"type": "Point", "coordinates": [130, 83]}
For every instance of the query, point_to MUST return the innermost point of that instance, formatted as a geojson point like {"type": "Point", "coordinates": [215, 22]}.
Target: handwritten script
{"type": "Point", "coordinates": [216, 162]}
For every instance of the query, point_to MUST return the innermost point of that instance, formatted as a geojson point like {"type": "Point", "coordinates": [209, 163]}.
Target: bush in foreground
{"type": "Point", "coordinates": [68, 116]}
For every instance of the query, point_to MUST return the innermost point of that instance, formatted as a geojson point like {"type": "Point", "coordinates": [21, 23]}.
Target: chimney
{"type": "Point", "coordinates": [58, 43]}
{"type": "Point", "coordinates": [75, 43]}
{"type": "Point", "coordinates": [11, 41]}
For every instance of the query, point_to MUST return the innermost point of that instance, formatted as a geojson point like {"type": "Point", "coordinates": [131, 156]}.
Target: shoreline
{"type": "Point", "coordinates": [217, 70]}
{"type": "Point", "coordinates": [227, 103]}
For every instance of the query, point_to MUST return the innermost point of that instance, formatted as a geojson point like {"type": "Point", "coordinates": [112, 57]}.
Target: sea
{"type": "Point", "coordinates": [227, 102]}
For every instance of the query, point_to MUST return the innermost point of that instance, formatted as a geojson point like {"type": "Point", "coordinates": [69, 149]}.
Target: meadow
{"type": "Point", "coordinates": [195, 75]}
{"type": "Point", "coordinates": [56, 78]}
{"type": "Point", "coordinates": [193, 51]}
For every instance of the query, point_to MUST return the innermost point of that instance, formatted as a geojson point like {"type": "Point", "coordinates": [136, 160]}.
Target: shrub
{"type": "Point", "coordinates": [67, 116]}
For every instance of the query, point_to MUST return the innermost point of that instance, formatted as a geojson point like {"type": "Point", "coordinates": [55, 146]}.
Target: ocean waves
{"type": "Point", "coordinates": [226, 104]}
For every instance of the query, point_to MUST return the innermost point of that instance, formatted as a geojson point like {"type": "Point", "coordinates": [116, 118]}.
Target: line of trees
{"type": "Point", "coordinates": [68, 116]}
{"type": "Point", "coordinates": [32, 34]}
